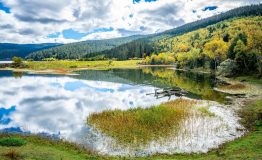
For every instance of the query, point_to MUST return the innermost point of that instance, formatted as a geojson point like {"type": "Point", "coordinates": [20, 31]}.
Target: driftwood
{"type": "Point", "coordinates": [168, 92]}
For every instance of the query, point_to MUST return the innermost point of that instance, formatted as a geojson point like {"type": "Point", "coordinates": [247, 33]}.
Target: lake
{"type": "Point", "coordinates": [58, 106]}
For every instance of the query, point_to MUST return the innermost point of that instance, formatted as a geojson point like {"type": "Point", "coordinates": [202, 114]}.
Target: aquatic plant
{"type": "Point", "coordinates": [139, 126]}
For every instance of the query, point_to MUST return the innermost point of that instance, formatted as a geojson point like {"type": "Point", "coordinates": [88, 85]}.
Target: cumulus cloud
{"type": "Point", "coordinates": [32, 21]}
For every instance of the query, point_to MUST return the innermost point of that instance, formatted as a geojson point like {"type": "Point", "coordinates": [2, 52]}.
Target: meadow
{"type": "Point", "coordinates": [73, 64]}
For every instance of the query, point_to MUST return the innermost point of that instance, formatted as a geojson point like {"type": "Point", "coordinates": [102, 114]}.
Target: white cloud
{"type": "Point", "coordinates": [31, 21]}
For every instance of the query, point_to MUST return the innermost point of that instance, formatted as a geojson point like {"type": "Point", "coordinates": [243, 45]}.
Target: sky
{"type": "Point", "coordinates": [66, 21]}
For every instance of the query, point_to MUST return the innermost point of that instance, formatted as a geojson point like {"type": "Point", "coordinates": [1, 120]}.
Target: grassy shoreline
{"type": "Point", "coordinates": [68, 67]}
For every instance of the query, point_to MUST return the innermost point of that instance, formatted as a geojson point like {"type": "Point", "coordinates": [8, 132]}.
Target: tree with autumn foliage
{"type": "Point", "coordinates": [216, 50]}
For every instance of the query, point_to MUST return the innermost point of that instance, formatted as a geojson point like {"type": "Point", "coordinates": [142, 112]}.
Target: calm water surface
{"type": "Point", "coordinates": [58, 106]}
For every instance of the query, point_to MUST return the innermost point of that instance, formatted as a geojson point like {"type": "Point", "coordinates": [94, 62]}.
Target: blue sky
{"type": "Point", "coordinates": [4, 8]}
{"type": "Point", "coordinates": [65, 21]}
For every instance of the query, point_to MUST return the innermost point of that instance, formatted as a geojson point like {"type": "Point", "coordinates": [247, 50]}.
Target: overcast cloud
{"type": "Point", "coordinates": [33, 21]}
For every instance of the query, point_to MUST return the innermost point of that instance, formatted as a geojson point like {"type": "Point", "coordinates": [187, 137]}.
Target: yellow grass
{"type": "Point", "coordinates": [139, 126]}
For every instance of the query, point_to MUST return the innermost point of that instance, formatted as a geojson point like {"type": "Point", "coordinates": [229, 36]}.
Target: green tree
{"type": "Point", "coordinates": [17, 62]}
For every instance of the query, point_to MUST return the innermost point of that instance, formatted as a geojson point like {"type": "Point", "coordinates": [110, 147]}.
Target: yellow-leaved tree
{"type": "Point", "coordinates": [216, 50]}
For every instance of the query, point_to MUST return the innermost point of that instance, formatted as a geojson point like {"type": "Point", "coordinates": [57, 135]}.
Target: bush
{"type": "Point", "coordinates": [10, 141]}
{"type": "Point", "coordinates": [18, 62]}
{"type": "Point", "coordinates": [228, 68]}
{"type": "Point", "coordinates": [162, 58]}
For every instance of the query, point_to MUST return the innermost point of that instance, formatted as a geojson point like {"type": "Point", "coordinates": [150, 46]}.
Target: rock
{"type": "Point", "coordinates": [228, 68]}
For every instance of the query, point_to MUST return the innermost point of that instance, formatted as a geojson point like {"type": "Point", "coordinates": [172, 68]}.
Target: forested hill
{"type": "Point", "coordinates": [146, 46]}
{"type": "Point", "coordinates": [136, 46]}
{"type": "Point", "coordinates": [237, 12]}
{"type": "Point", "coordinates": [9, 50]}
{"type": "Point", "coordinates": [233, 46]}
{"type": "Point", "coordinates": [81, 49]}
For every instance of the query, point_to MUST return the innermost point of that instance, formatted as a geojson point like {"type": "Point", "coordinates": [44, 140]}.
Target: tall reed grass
{"type": "Point", "coordinates": [139, 126]}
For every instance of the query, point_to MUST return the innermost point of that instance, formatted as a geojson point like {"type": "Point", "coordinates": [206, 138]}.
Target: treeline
{"type": "Point", "coordinates": [85, 49]}
{"type": "Point", "coordinates": [138, 49]}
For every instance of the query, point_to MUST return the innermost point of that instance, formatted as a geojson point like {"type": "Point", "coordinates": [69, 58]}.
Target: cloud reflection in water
{"type": "Point", "coordinates": [60, 105]}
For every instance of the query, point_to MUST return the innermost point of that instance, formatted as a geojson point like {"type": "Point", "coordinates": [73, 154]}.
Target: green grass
{"type": "Point", "coordinates": [139, 126]}
{"type": "Point", "coordinates": [12, 141]}
{"type": "Point", "coordinates": [251, 79]}
{"type": "Point", "coordinates": [66, 64]}
{"type": "Point", "coordinates": [251, 114]}
{"type": "Point", "coordinates": [205, 111]}
{"type": "Point", "coordinates": [44, 149]}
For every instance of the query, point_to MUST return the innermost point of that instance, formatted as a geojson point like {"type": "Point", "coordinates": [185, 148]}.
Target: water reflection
{"type": "Point", "coordinates": [199, 85]}
{"type": "Point", "coordinates": [60, 105]}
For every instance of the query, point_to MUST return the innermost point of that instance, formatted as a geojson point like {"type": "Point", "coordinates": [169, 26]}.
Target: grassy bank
{"type": "Point", "coordinates": [251, 79]}
{"type": "Point", "coordinates": [40, 149]}
{"type": "Point", "coordinates": [247, 147]}
{"type": "Point", "coordinates": [67, 66]}
{"type": "Point", "coordinates": [64, 64]}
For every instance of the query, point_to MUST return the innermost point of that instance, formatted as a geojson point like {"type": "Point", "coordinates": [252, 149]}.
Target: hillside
{"type": "Point", "coordinates": [9, 50]}
{"type": "Point", "coordinates": [136, 46]}
{"type": "Point", "coordinates": [146, 46]}
{"type": "Point", "coordinates": [80, 49]}
{"type": "Point", "coordinates": [238, 40]}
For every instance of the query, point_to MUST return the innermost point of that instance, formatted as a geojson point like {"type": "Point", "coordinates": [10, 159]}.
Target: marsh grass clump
{"type": "Point", "coordinates": [140, 126]}
{"type": "Point", "coordinates": [13, 155]}
{"type": "Point", "coordinates": [12, 141]}
{"type": "Point", "coordinates": [251, 114]}
{"type": "Point", "coordinates": [237, 86]}
{"type": "Point", "coordinates": [205, 111]}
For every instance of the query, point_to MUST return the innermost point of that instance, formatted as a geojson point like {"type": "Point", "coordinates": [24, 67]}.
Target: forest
{"type": "Point", "coordinates": [236, 40]}
{"type": "Point", "coordinates": [85, 49]}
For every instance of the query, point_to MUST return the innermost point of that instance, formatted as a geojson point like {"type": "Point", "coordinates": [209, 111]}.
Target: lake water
{"type": "Point", "coordinates": [58, 106]}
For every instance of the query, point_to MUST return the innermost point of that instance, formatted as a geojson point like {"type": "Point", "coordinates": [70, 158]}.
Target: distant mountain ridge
{"type": "Point", "coordinates": [9, 50]}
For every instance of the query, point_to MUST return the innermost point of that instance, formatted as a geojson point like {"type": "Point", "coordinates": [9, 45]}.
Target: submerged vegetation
{"type": "Point", "coordinates": [139, 126]}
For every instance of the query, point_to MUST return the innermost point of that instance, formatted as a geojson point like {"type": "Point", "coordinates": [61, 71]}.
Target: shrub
{"type": "Point", "coordinates": [162, 58]}
{"type": "Point", "coordinates": [10, 141]}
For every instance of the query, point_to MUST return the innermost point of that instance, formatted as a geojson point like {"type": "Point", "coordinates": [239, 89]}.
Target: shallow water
{"type": "Point", "coordinates": [58, 106]}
